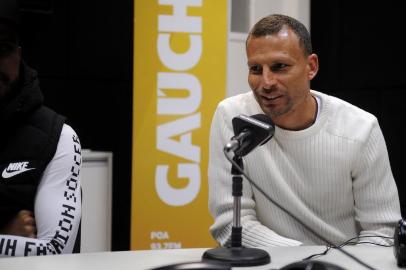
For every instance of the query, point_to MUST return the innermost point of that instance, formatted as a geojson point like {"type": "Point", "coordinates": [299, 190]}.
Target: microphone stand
{"type": "Point", "coordinates": [236, 254]}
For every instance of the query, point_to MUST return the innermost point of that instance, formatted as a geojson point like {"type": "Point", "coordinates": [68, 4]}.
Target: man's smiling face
{"type": "Point", "coordinates": [10, 57]}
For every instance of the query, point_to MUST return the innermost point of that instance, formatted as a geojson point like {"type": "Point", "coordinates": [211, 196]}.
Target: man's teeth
{"type": "Point", "coordinates": [271, 98]}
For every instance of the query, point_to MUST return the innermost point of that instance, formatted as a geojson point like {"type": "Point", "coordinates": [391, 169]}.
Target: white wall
{"type": "Point", "coordinates": [237, 61]}
{"type": "Point", "coordinates": [96, 181]}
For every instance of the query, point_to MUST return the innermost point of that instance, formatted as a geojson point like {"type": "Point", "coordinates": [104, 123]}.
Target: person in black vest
{"type": "Point", "coordinates": [40, 159]}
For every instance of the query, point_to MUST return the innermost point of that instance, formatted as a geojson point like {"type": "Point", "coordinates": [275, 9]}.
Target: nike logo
{"type": "Point", "coordinates": [16, 168]}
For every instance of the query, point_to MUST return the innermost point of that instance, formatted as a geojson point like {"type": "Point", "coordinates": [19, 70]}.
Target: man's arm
{"type": "Point", "coordinates": [221, 200]}
{"type": "Point", "coordinates": [376, 197]}
{"type": "Point", "coordinates": [57, 207]}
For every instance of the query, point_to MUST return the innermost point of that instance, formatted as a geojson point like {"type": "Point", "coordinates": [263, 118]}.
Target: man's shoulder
{"type": "Point", "coordinates": [346, 119]}
{"type": "Point", "coordinates": [46, 119]}
{"type": "Point", "coordinates": [342, 108]}
{"type": "Point", "coordinates": [67, 131]}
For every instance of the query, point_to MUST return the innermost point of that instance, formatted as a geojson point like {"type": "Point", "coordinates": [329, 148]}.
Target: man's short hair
{"type": "Point", "coordinates": [9, 18]}
{"type": "Point", "coordinates": [272, 24]}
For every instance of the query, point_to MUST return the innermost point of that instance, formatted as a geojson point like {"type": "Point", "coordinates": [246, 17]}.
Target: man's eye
{"type": "Point", "coordinates": [255, 69]}
{"type": "Point", "coordinates": [5, 48]}
{"type": "Point", "coordinates": [278, 67]}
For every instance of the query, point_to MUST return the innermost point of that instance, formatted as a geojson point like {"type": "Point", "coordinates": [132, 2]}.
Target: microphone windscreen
{"type": "Point", "coordinates": [260, 126]}
{"type": "Point", "coordinates": [263, 118]}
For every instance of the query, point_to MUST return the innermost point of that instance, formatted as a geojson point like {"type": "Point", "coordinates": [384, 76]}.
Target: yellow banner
{"type": "Point", "coordinates": [180, 49]}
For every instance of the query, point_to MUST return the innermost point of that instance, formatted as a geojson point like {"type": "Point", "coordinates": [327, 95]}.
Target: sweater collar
{"type": "Point", "coordinates": [283, 134]}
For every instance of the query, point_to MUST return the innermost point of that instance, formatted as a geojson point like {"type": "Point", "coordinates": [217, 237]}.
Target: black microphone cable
{"type": "Point", "coordinates": [350, 242]}
{"type": "Point", "coordinates": [293, 216]}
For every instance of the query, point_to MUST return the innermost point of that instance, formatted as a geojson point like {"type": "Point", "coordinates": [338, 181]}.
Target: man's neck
{"type": "Point", "coordinates": [301, 117]}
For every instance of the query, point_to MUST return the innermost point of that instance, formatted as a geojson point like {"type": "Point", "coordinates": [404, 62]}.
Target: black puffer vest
{"type": "Point", "coordinates": [29, 135]}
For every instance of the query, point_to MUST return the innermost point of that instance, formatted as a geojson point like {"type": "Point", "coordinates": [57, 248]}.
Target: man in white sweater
{"type": "Point", "coordinates": [327, 162]}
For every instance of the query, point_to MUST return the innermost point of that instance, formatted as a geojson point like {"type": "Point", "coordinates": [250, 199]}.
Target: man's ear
{"type": "Point", "coordinates": [313, 64]}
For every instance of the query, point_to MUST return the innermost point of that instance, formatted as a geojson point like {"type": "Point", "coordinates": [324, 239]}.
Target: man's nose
{"type": "Point", "coordinates": [268, 79]}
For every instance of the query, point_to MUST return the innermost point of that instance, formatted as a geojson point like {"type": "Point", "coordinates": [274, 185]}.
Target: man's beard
{"type": "Point", "coordinates": [6, 86]}
{"type": "Point", "coordinates": [282, 111]}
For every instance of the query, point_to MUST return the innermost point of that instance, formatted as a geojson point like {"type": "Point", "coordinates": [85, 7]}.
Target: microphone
{"type": "Point", "coordinates": [250, 132]}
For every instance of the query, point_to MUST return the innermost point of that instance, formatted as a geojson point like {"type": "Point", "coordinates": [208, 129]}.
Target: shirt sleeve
{"type": "Point", "coordinates": [376, 198]}
{"type": "Point", "coordinates": [57, 206]}
{"type": "Point", "coordinates": [254, 234]}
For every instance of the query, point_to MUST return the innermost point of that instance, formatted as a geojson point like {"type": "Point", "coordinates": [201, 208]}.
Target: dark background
{"type": "Point", "coordinates": [83, 52]}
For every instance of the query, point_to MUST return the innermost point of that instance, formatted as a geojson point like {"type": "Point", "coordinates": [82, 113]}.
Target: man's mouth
{"type": "Point", "coordinates": [271, 97]}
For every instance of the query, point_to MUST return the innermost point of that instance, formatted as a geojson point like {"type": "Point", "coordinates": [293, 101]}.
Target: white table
{"type": "Point", "coordinates": [378, 257]}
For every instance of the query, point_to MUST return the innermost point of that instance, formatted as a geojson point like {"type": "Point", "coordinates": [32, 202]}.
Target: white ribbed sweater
{"type": "Point", "coordinates": [335, 176]}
